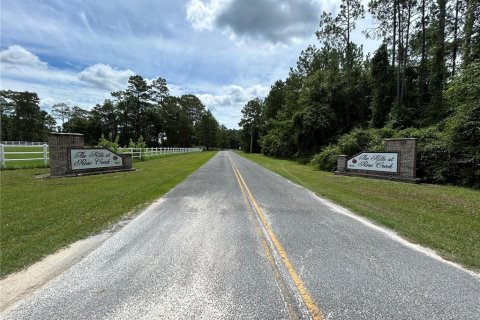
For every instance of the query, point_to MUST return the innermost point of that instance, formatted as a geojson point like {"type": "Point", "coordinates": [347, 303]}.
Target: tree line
{"type": "Point", "coordinates": [142, 111]}
{"type": "Point", "coordinates": [423, 81]}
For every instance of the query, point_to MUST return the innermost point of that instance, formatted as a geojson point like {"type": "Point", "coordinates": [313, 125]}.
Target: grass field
{"type": "Point", "coordinates": [444, 218]}
{"type": "Point", "coordinates": [40, 216]}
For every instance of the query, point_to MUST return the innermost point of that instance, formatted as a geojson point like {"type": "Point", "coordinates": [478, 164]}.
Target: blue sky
{"type": "Point", "coordinates": [224, 51]}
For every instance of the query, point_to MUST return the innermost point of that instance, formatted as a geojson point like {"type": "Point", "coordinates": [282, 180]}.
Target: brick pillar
{"type": "Point", "coordinates": [58, 144]}
{"type": "Point", "coordinates": [127, 161]}
{"type": "Point", "coordinates": [341, 163]}
{"type": "Point", "coordinates": [407, 149]}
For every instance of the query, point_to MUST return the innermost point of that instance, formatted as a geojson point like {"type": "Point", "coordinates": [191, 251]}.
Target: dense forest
{"type": "Point", "coordinates": [142, 111]}
{"type": "Point", "coordinates": [422, 82]}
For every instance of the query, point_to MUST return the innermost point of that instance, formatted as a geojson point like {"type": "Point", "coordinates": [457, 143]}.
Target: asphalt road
{"type": "Point", "coordinates": [235, 241]}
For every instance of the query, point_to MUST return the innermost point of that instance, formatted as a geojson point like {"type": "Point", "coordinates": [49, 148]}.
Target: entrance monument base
{"type": "Point", "coordinates": [70, 158]}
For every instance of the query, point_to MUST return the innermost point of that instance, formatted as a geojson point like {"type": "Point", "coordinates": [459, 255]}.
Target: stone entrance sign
{"type": "Point", "coordinates": [81, 159]}
{"type": "Point", "coordinates": [374, 161]}
{"type": "Point", "coordinates": [69, 157]}
{"type": "Point", "coordinates": [398, 162]}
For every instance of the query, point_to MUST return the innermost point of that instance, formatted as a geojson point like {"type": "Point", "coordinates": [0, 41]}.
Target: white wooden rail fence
{"type": "Point", "coordinates": [35, 155]}
{"type": "Point", "coordinates": [137, 153]}
{"type": "Point", "coordinates": [23, 143]}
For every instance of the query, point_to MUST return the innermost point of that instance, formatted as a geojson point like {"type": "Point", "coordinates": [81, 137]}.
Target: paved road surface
{"type": "Point", "coordinates": [235, 241]}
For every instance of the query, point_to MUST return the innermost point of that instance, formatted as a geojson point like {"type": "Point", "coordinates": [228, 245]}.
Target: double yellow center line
{"type": "Point", "coordinates": [307, 299]}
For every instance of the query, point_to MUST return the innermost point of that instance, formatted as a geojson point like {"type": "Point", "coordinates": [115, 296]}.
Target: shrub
{"type": "Point", "coordinates": [363, 139]}
{"type": "Point", "coordinates": [449, 156]}
{"type": "Point", "coordinates": [109, 143]}
{"type": "Point", "coordinates": [327, 159]}
{"type": "Point", "coordinates": [140, 144]}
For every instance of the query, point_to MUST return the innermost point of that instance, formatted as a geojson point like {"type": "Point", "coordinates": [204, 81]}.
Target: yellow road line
{"type": "Point", "coordinates": [312, 308]}
{"type": "Point", "coordinates": [269, 255]}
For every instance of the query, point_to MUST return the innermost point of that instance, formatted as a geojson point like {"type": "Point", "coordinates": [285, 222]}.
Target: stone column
{"type": "Point", "coordinates": [341, 163]}
{"type": "Point", "coordinates": [59, 158]}
{"type": "Point", "coordinates": [407, 149]}
{"type": "Point", "coordinates": [127, 161]}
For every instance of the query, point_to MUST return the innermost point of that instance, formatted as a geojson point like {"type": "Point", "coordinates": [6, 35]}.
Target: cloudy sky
{"type": "Point", "coordinates": [224, 51]}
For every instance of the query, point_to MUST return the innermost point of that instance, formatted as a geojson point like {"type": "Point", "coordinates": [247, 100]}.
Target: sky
{"type": "Point", "coordinates": [226, 52]}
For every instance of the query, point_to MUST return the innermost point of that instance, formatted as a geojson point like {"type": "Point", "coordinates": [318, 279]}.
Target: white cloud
{"type": "Point", "coordinates": [202, 15]}
{"type": "Point", "coordinates": [21, 70]}
{"type": "Point", "coordinates": [227, 103]}
{"type": "Point", "coordinates": [103, 76]}
{"type": "Point", "coordinates": [18, 56]}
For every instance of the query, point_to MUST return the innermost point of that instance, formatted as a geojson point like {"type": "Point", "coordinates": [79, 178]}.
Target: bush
{"type": "Point", "coordinates": [437, 161]}
{"type": "Point", "coordinates": [463, 126]}
{"type": "Point", "coordinates": [139, 144]}
{"type": "Point", "coordinates": [327, 159]}
{"type": "Point", "coordinates": [363, 139]}
{"type": "Point", "coordinates": [109, 143]}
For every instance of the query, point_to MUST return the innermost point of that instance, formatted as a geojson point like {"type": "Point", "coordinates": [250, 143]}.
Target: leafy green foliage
{"type": "Point", "coordinates": [207, 130]}
{"type": "Point", "coordinates": [437, 161]}
{"type": "Point", "coordinates": [279, 142]}
{"type": "Point", "coordinates": [349, 144]}
{"type": "Point", "coordinates": [251, 124]}
{"type": "Point", "coordinates": [336, 100]}
{"type": "Point", "coordinates": [110, 143]}
{"type": "Point", "coordinates": [327, 159]}
{"type": "Point", "coordinates": [382, 89]}
{"type": "Point", "coordinates": [463, 126]}
{"type": "Point", "coordinates": [141, 110]}
{"type": "Point", "coordinates": [21, 117]}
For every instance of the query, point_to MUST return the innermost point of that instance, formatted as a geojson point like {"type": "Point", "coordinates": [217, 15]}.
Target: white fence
{"type": "Point", "coordinates": [138, 153]}
{"type": "Point", "coordinates": [23, 143]}
{"type": "Point", "coordinates": [21, 155]}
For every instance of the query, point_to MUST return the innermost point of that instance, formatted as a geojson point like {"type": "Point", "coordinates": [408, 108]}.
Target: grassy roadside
{"type": "Point", "coordinates": [40, 216]}
{"type": "Point", "coordinates": [444, 218]}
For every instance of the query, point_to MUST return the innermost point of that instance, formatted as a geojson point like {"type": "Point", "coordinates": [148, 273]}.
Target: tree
{"type": "Point", "coordinates": [61, 111]}
{"type": "Point", "coordinates": [106, 117]}
{"type": "Point", "coordinates": [251, 124]}
{"type": "Point", "coordinates": [438, 81]}
{"type": "Point", "coordinates": [384, 13]}
{"type": "Point", "coordinates": [463, 96]}
{"type": "Point", "coordinates": [208, 130]}
{"type": "Point", "coordinates": [472, 33]}
{"type": "Point", "coordinates": [192, 106]}
{"type": "Point", "coordinates": [178, 128]}
{"type": "Point", "coordinates": [274, 100]}
{"type": "Point", "coordinates": [337, 31]}
{"type": "Point", "coordinates": [82, 121]}
{"type": "Point", "coordinates": [158, 91]}
{"type": "Point", "coordinates": [382, 95]}
{"type": "Point", "coordinates": [134, 106]}
{"type": "Point", "coordinates": [23, 118]}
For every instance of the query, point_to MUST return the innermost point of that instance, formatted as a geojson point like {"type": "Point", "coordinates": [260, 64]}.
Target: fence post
{"type": "Point", "coordinates": [2, 154]}
{"type": "Point", "coordinates": [45, 159]}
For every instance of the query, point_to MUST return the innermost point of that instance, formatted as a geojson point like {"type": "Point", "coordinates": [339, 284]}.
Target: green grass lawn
{"type": "Point", "coordinates": [40, 216]}
{"type": "Point", "coordinates": [444, 218]}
